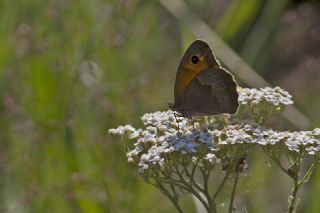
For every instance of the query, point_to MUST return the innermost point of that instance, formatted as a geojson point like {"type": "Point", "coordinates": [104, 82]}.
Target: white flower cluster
{"type": "Point", "coordinates": [160, 138]}
{"type": "Point", "coordinates": [308, 140]}
{"type": "Point", "coordinates": [275, 96]}
{"type": "Point", "coordinates": [167, 135]}
{"type": "Point", "coordinates": [297, 141]}
{"type": "Point", "coordinates": [129, 131]}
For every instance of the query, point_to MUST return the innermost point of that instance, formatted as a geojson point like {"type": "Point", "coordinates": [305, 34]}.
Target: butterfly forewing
{"type": "Point", "coordinates": [203, 88]}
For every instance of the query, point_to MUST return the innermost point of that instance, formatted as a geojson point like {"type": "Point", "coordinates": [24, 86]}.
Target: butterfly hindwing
{"type": "Point", "coordinates": [223, 87]}
{"type": "Point", "coordinates": [208, 94]}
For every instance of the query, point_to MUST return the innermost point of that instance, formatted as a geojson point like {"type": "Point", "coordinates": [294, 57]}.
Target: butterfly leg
{"type": "Point", "coordinates": [175, 117]}
{"type": "Point", "coordinates": [191, 121]}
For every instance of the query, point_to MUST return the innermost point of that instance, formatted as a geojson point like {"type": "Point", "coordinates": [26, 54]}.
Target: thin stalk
{"type": "Point", "coordinates": [221, 185]}
{"type": "Point", "coordinates": [194, 182]}
{"type": "Point", "coordinates": [194, 168]}
{"type": "Point", "coordinates": [191, 190]}
{"type": "Point", "coordinates": [277, 161]}
{"type": "Point", "coordinates": [182, 184]}
{"type": "Point", "coordinates": [210, 201]}
{"type": "Point", "coordinates": [205, 189]}
{"type": "Point", "coordinates": [231, 207]}
{"type": "Point", "coordinates": [293, 202]}
{"type": "Point", "coordinates": [307, 175]}
{"type": "Point", "coordinates": [178, 184]}
{"type": "Point", "coordinates": [297, 183]}
{"type": "Point", "coordinates": [281, 167]}
{"type": "Point", "coordinates": [173, 199]}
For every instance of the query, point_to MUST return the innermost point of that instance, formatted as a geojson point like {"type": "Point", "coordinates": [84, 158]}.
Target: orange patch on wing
{"type": "Point", "coordinates": [189, 72]}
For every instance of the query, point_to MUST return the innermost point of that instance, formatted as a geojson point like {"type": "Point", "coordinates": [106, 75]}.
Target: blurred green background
{"type": "Point", "coordinates": [70, 70]}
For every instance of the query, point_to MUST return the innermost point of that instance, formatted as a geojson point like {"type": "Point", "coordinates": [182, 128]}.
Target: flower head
{"type": "Point", "coordinates": [166, 135]}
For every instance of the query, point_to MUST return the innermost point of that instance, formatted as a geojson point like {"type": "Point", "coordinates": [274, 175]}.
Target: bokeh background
{"type": "Point", "coordinates": [70, 70]}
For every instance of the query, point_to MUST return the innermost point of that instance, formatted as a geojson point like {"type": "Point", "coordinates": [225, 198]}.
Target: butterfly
{"type": "Point", "coordinates": [202, 87]}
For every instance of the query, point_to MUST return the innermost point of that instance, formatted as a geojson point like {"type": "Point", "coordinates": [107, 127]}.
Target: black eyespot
{"type": "Point", "coordinates": [194, 59]}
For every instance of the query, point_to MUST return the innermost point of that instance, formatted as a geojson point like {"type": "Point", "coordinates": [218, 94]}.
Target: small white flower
{"type": "Point", "coordinates": [212, 158]}
{"type": "Point", "coordinates": [316, 131]}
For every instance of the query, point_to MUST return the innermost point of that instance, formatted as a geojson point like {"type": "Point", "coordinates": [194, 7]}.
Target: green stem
{"type": "Point", "coordinates": [307, 175]}
{"type": "Point", "coordinates": [191, 190]}
{"type": "Point", "coordinates": [281, 167]}
{"type": "Point", "coordinates": [173, 199]}
{"type": "Point", "coordinates": [221, 185]}
{"type": "Point", "coordinates": [293, 198]}
{"type": "Point", "coordinates": [210, 201]}
{"type": "Point", "coordinates": [297, 183]}
{"type": "Point", "coordinates": [194, 182]}
{"type": "Point", "coordinates": [276, 160]}
{"type": "Point", "coordinates": [182, 184]}
{"type": "Point", "coordinates": [231, 207]}
{"type": "Point", "coordinates": [292, 203]}
{"type": "Point", "coordinates": [205, 189]}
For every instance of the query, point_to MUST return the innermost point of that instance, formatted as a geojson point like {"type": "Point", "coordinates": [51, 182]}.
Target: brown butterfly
{"type": "Point", "coordinates": [202, 86]}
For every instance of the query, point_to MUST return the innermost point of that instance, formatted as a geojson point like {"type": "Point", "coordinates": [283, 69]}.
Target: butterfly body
{"type": "Point", "coordinates": [202, 86]}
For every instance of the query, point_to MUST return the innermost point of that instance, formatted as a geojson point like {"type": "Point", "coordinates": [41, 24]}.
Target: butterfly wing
{"type": "Point", "coordinates": [212, 91]}
{"type": "Point", "coordinates": [202, 87]}
{"type": "Point", "coordinates": [223, 88]}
